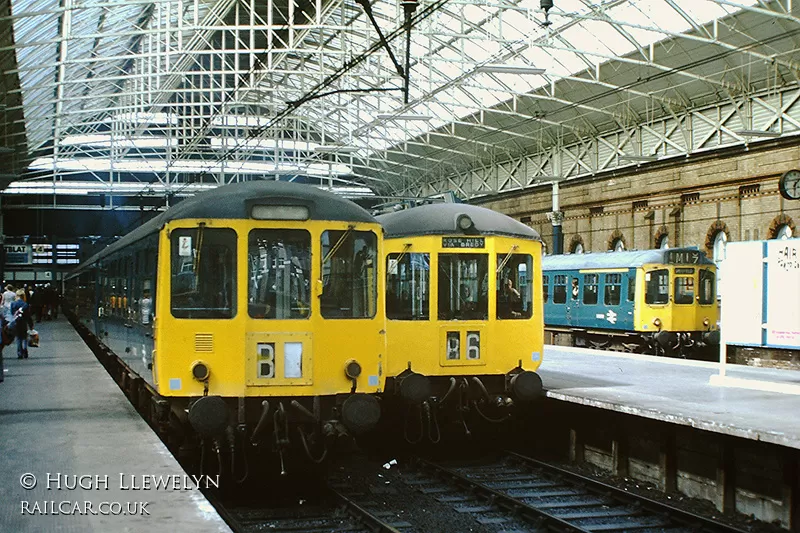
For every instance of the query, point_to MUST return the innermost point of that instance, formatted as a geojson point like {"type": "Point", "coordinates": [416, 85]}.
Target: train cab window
{"type": "Point", "coordinates": [706, 291]}
{"type": "Point", "coordinates": [613, 289]}
{"type": "Point", "coordinates": [408, 286]}
{"type": "Point", "coordinates": [545, 288]}
{"type": "Point", "coordinates": [684, 290]}
{"type": "Point", "coordinates": [203, 263]}
{"type": "Point", "coordinates": [559, 289]}
{"type": "Point", "coordinates": [279, 274]}
{"type": "Point", "coordinates": [463, 289]}
{"type": "Point", "coordinates": [514, 289]}
{"type": "Point", "coordinates": [657, 290]}
{"type": "Point", "coordinates": [590, 282]}
{"type": "Point", "coordinates": [349, 274]}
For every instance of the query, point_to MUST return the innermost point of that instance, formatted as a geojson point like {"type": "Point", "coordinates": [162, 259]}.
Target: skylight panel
{"type": "Point", "coordinates": [516, 25]}
{"type": "Point", "coordinates": [474, 12]}
{"type": "Point", "coordinates": [480, 51]}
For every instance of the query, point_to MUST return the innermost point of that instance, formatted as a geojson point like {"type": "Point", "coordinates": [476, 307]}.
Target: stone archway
{"type": "Point", "coordinates": [575, 242]}
{"type": "Point", "coordinates": [660, 233]}
{"type": "Point", "coordinates": [616, 238]}
{"type": "Point", "coordinates": [711, 235]}
{"type": "Point", "coordinates": [777, 223]}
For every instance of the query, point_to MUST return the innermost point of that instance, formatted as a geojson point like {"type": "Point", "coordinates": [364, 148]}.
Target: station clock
{"type": "Point", "coordinates": [790, 185]}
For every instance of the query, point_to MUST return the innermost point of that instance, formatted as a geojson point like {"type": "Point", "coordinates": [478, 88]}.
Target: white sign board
{"type": "Point", "coordinates": [783, 293]}
{"type": "Point", "coordinates": [761, 293]}
{"type": "Point", "coordinates": [741, 292]}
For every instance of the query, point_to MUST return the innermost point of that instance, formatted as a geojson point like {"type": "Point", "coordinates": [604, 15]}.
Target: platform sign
{"type": "Point", "coordinates": [783, 293]}
{"type": "Point", "coordinates": [18, 254]}
{"type": "Point", "coordinates": [761, 293]}
{"type": "Point", "coordinates": [741, 290]}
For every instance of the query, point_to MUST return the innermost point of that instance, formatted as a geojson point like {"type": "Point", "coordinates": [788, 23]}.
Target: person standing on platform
{"type": "Point", "coordinates": [37, 302]}
{"type": "Point", "coordinates": [8, 297]}
{"type": "Point", "coordinates": [22, 320]}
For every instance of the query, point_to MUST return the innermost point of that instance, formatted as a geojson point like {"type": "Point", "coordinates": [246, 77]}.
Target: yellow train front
{"type": "Point", "coordinates": [253, 314]}
{"type": "Point", "coordinates": [661, 302]}
{"type": "Point", "coordinates": [464, 316]}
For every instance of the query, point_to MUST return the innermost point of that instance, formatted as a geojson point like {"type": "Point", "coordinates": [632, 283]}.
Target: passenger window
{"type": "Point", "coordinates": [590, 288]}
{"type": "Point", "coordinates": [613, 289]}
{"type": "Point", "coordinates": [463, 287]}
{"type": "Point", "coordinates": [684, 290]}
{"type": "Point", "coordinates": [631, 286]}
{"type": "Point", "coordinates": [559, 289]}
{"type": "Point", "coordinates": [408, 286]}
{"type": "Point", "coordinates": [657, 291]}
{"type": "Point", "coordinates": [706, 289]}
{"type": "Point", "coordinates": [545, 288]}
{"type": "Point", "coordinates": [203, 262]}
{"type": "Point", "coordinates": [279, 274]}
{"type": "Point", "coordinates": [514, 290]}
{"type": "Point", "coordinates": [349, 277]}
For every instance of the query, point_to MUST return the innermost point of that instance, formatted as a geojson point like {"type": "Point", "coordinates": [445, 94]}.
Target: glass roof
{"type": "Point", "coordinates": [221, 90]}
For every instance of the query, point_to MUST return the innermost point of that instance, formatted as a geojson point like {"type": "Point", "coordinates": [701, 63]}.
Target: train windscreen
{"type": "Point", "coordinates": [463, 287]}
{"type": "Point", "coordinates": [349, 274]}
{"type": "Point", "coordinates": [203, 262]}
{"type": "Point", "coordinates": [407, 286]}
{"type": "Point", "coordinates": [279, 274]}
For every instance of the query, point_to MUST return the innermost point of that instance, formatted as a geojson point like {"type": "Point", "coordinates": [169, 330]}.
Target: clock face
{"type": "Point", "coordinates": [790, 185]}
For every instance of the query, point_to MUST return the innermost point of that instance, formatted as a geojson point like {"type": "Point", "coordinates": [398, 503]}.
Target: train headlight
{"type": "Point", "coordinates": [706, 322]}
{"type": "Point", "coordinates": [657, 322]}
{"type": "Point", "coordinates": [464, 222]}
{"type": "Point", "coordinates": [200, 371]}
{"type": "Point", "coordinates": [352, 369]}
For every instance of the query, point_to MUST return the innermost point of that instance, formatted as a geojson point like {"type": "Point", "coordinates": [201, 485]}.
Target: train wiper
{"type": "Point", "coordinates": [338, 244]}
{"type": "Point", "coordinates": [507, 258]}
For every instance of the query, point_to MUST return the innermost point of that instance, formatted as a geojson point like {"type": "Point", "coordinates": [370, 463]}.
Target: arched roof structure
{"type": "Point", "coordinates": [142, 97]}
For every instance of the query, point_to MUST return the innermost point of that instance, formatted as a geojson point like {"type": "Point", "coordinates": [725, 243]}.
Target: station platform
{"type": "Point", "coordinates": [747, 402]}
{"type": "Point", "coordinates": [64, 423]}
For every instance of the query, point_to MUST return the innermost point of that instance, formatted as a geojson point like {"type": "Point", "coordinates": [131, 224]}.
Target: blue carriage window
{"type": "Point", "coordinates": [590, 288]}
{"type": "Point", "coordinates": [408, 286]}
{"type": "Point", "coordinates": [706, 289]}
{"type": "Point", "coordinates": [613, 289]}
{"type": "Point", "coordinates": [545, 288]}
{"type": "Point", "coordinates": [631, 286]}
{"type": "Point", "coordinates": [203, 262]}
{"type": "Point", "coordinates": [657, 291]}
{"type": "Point", "coordinates": [514, 290]}
{"type": "Point", "coordinates": [684, 290]}
{"type": "Point", "coordinates": [279, 273]}
{"type": "Point", "coordinates": [560, 289]}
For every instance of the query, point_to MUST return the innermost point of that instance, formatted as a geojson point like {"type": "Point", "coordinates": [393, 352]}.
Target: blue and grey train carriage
{"type": "Point", "coordinates": [653, 301]}
{"type": "Point", "coordinates": [464, 315]}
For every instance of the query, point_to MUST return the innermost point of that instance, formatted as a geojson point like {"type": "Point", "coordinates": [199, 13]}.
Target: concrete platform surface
{"type": "Point", "coordinates": [75, 455]}
{"type": "Point", "coordinates": [752, 403]}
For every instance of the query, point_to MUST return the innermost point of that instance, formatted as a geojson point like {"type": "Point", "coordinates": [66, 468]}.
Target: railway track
{"type": "Point", "coordinates": [509, 494]}
{"type": "Point", "coordinates": [527, 495]}
{"type": "Point", "coordinates": [335, 512]}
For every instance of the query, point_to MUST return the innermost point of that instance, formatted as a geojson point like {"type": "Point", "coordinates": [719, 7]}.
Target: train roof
{"type": "Point", "coordinates": [441, 219]}
{"type": "Point", "coordinates": [632, 259]}
{"type": "Point", "coordinates": [234, 201]}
